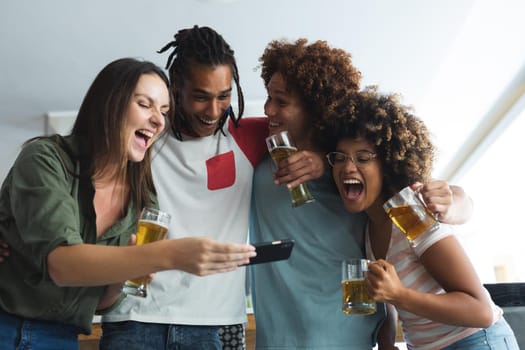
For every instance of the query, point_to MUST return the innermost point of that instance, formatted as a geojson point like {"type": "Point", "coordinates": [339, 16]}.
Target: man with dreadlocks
{"type": "Point", "coordinates": [203, 175]}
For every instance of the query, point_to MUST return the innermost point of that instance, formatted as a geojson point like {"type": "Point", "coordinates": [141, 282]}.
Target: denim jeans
{"type": "Point", "coordinates": [499, 336]}
{"type": "Point", "coordinates": [131, 335]}
{"type": "Point", "coordinates": [28, 334]}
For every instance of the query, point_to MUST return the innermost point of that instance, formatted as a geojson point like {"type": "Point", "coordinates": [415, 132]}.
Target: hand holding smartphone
{"type": "Point", "coordinates": [272, 251]}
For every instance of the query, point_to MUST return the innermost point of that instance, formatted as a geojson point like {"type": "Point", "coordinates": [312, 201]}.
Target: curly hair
{"type": "Point", "coordinates": [202, 46]}
{"type": "Point", "coordinates": [320, 75]}
{"type": "Point", "coordinates": [401, 139]}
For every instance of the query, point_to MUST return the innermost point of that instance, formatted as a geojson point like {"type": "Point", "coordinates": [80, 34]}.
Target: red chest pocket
{"type": "Point", "coordinates": [221, 171]}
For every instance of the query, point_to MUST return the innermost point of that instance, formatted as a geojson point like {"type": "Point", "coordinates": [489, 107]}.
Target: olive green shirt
{"type": "Point", "coordinates": [43, 204]}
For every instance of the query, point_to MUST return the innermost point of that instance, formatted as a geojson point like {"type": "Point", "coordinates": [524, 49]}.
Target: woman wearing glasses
{"type": "Point", "coordinates": [380, 149]}
{"type": "Point", "coordinates": [298, 301]}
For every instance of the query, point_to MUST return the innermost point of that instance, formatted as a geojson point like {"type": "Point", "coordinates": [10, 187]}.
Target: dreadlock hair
{"type": "Point", "coordinates": [403, 143]}
{"type": "Point", "coordinates": [203, 46]}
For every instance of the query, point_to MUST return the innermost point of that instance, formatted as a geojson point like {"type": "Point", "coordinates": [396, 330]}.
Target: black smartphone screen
{"type": "Point", "coordinates": [272, 251]}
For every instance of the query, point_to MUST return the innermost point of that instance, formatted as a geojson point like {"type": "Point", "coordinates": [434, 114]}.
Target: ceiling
{"type": "Point", "coordinates": [458, 62]}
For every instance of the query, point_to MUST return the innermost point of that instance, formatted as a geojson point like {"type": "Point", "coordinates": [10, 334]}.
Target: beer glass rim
{"type": "Point", "coordinates": [353, 260]}
{"type": "Point", "coordinates": [417, 196]}
{"type": "Point", "coordinates": [282, 132]}
{"type": "Point", "coordinates": [401, 192]}
{"type": "Point", "coordinates": [280, 139]}
{"type": "Point", "coordinates": [160, 215]}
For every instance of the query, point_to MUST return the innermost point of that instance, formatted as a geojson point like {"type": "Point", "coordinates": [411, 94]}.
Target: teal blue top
{"type": "Point", "coordinates": [297, 302]}
{"type": "Point", "coordinates": [44, 204]}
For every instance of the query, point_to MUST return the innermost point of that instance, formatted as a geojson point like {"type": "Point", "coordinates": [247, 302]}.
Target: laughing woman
{"type": "Point", "coordinates": [380, 148]}
{"type": "Point", "coordinates": [69, 203]}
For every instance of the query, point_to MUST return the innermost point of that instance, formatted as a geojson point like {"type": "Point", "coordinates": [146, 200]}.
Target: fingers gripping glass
{"type": "Point", "coordinates": [359, 158]}
{"type": "Point", "coordinates": [282, 146]}
{"type": "Point", "coordinates": [152, 226]}
{"type": "Point", "coordinates": [408, 211]}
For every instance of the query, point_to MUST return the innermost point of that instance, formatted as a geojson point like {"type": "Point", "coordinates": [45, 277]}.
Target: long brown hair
{"type": "Point", "coordinates": [101, 124]}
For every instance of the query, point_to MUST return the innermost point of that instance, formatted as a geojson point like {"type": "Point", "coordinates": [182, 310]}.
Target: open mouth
{"type": "Point", "coordinates": [144, 135]}
{"type": "Point", "coordinates": [352, 188]}
{"type": "Point", "coordinates": [208, 122]}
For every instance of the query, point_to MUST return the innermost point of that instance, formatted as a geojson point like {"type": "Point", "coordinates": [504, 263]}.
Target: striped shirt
{"type": "Point", "coordinates": [419, 332]}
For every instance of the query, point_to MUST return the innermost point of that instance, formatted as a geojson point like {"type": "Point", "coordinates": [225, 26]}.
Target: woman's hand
{"type": "Point", "coordinates": [383, 283]}
{"type": "Point", "coordinates": [133, 241]}
{"type": "Point", "coordinates": [204, 256]}
{"type": "Point", "coordinates": [299, 168]}
{"type": "Point", "coordinates": [113, 291]}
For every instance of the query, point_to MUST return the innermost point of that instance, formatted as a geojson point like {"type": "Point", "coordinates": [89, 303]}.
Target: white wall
{"type": "Point", "coordinates": [51, 50]}
{"type": "Point", "coordinates": [451, 59]}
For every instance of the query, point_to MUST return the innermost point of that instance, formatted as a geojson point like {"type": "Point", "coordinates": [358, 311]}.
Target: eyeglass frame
{"type": "Point", "coordinates": [354, 158]}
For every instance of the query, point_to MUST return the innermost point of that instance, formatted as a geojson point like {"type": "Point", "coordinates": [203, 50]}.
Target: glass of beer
{"type": "Point", "coordinates": [152, 226]}
{"type": "Point", "coordinates": [410, 214]}
{"type": "Point", "coordinates": [356, 300]}
{"type": "Point", "coordinates": [281, 146]}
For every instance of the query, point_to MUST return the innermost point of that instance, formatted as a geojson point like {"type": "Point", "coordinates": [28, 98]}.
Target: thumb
{"type": "Point", "coordinates": [132, 239]}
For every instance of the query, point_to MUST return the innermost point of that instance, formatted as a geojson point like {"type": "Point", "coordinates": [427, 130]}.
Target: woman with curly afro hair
{"type": "Point", "coordinates": [298, 302]}
{"type": "Point", "coordinates": [316, 76]}
{"type": "Point", "coordinates": [380, 148]}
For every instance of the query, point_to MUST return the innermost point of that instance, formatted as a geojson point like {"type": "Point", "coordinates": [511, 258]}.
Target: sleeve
{"type": "Point", "coordinates": [43, 204]}
{"type": "Point", "coordinates": [430, 238]}
{"type": "Point", "coordinates": [250, 136]}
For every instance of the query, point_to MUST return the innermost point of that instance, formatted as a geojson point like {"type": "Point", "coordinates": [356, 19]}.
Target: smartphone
{"type": "Point", "coordinates": [272, 251]}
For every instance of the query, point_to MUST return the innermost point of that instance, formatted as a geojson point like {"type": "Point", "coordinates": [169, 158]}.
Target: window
{"type": "Point", "coordinates": [475, 109]}
{"type": "Point", "coordinates": [495, 236]}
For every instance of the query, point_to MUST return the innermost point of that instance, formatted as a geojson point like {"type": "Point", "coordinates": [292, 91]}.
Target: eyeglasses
{"type": "Point", "coordinates": [359, 158]}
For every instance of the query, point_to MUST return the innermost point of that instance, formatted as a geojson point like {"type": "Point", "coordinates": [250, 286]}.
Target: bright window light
{"type": "Point", "coordinates": [476, 86]}
{"type": "Point", "coordinates": [495, 236]}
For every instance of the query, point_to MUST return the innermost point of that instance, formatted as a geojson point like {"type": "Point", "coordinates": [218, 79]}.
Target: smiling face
{"type": "Point", "coordinates": [360, 187]}
{"type": "Point", "coordinates": [205, 97]}
{"type": "Point", "coordinates": [286, 112]}
{"type": "Point", "coordinates": [146, 115]}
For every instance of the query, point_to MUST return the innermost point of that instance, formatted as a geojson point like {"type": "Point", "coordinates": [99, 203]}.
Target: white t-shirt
{"type": "Point", "coordinates": [205, 184]}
